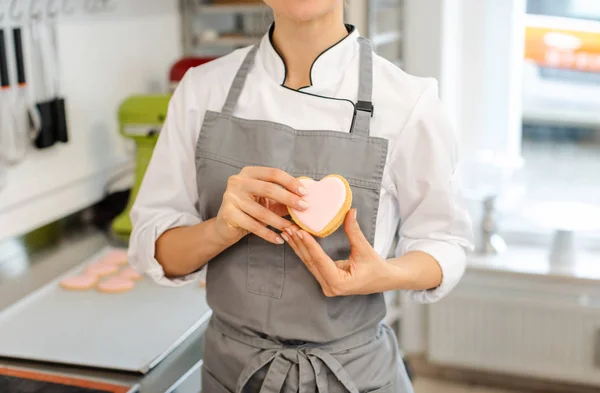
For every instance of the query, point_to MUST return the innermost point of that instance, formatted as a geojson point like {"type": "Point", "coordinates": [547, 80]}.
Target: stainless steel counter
{"type": "Point", "coordinates": [178, 372]}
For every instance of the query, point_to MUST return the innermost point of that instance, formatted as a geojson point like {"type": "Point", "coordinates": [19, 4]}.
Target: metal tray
{"type": "Point", "coordinates": [131, 331]}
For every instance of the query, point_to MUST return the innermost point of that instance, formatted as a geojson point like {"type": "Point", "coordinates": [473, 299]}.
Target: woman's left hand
{"type": "Point", "coordinates": [364, 272]}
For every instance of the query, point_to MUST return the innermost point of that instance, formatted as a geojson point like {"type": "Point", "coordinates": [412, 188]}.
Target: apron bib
{"type": "Point", "coordinates": [272, 328]}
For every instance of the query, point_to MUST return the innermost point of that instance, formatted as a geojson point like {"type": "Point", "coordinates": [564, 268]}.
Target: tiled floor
{"type": "Point", "coordinates": [423, 385]}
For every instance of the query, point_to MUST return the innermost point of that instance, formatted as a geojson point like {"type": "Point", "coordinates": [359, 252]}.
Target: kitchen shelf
{"type": "Point", "coordinates": [386, 38]}
{"type": "Point", "coordinates": [249, 20]}
{"type": "Point", "coordinates": [385, 27]}
{"type": "Point", "coordinates": [230, 41]}
{"type": "Point", "coordinates": [230, 8]}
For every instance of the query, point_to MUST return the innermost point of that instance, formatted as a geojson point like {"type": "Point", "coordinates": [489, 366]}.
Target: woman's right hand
{"type": "Point", "coordinates": [255, 198]}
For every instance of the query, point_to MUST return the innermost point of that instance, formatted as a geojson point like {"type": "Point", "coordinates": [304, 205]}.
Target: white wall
{"type": "Point", "coordinates": [104, 59]}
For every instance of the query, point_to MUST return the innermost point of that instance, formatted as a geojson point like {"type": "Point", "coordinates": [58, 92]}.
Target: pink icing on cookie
{"type": "Point", "coordinates": [325, 199]}
{"type": "Point", "coordinates": [115, 257]}
{"type": "Point", "coordinates": [116, 284]}
{"type": "Point", "coordinates": [131, 274]}
{"type": "Point", "coordinates": [78, 283]}
{"type": "Point", "coordinates": [101, 269]}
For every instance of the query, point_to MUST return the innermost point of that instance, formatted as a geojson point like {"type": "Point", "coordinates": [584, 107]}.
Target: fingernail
{"type": "Point", "coordinates": [284, 236]}
{"type": "Point", "coordinates": [303, 191]}
{"type": "Point", "coordinates": [279, 240]}
{"type": "Point", "coordinates": [354, 214]}
{"type": "Point", "coordinates": [289, 230]}
{"type": "Point", "coordinates": [299, 235]}
{"type": "Point", "coordinates": [303, 204]}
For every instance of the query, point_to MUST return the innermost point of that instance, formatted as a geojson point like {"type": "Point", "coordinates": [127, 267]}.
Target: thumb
{"type": "Point", "coordinates": [358, 241]}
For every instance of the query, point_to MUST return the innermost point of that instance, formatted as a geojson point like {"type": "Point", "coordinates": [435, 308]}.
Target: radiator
{"type": "Point", "coordinates": [519, 325]}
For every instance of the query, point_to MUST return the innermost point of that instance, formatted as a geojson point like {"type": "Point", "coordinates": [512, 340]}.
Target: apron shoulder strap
{"type": "Point", "coordinates": [363, 110]}
{"type": "Point", "coordinates": [238, 82]}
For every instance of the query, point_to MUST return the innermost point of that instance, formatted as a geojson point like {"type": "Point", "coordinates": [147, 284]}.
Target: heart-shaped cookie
{"type": "Point", "coordinates": [329, 200]}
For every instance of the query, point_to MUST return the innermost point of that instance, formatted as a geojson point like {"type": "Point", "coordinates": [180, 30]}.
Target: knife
{"type": "Point", "coordinates": [4, 81]}
{"type": "Point", "coordinates": [58, 102]}
{"type": "Point", "coordinates": [9, 139]}
{"type": "Point", "coordinates": [45, 137]}
{"type": "Point", "coordinates": [24, 103]}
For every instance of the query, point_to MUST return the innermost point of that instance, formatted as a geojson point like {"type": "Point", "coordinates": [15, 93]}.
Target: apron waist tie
{"type": "Point", "coordinates": [312, 360]}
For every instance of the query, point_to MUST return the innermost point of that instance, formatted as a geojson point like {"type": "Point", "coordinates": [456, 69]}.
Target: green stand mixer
{"type": "Point", "coordinates": [141, 118]}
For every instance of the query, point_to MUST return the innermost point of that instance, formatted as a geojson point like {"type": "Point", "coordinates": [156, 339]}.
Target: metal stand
{"type": "Point", "coordinates": [491, 242]}
{"type": "Point", "coordinates": [385, 28]}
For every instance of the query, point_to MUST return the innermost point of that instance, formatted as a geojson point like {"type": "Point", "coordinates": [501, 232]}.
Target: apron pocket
{"type": "Point", "coordinates": [210, 383]}
{"type": "Point", "coordinates": [265, 267]}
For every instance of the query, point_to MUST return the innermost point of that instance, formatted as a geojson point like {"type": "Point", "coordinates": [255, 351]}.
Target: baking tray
{"type": "Point", "coordinates": [130, 331]}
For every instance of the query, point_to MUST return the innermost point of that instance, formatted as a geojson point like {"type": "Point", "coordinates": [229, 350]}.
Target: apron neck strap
{"type": "Point", "coordinates": [238, 82]}
{"type": "Point", "coordinates": [363, 109]}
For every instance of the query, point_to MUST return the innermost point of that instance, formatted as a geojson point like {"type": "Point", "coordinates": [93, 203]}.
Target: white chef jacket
{"type": "Point", "coordinates": [419, 187]}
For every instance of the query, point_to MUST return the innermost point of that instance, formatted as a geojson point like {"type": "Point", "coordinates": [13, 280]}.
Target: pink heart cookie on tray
{"type": "Point", "coordinates": [79, 283]}
{"type": "Point", "coordinates": [130, 273]}
{"type": "Point", "coordinates": [328, 202]}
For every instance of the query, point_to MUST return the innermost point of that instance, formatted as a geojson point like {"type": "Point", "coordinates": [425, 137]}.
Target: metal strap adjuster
{"type": "Point", "coordinates": [365, 106]}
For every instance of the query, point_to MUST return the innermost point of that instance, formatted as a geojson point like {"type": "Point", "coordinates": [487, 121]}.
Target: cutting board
{"type": "Point", "coordinates": [131, 331]}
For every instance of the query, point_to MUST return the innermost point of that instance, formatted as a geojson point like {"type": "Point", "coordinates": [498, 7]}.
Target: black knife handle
{"type": "Point", "coordinates": [61, 133]}
{"type": "Point", "coordinates": [46, 136]}
{"type": "Point", "coordinates": [18, 40]}
{"type": "Point", "coordinates": [4, 81]}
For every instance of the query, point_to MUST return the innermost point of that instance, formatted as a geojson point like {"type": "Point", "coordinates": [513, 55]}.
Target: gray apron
{"type": "Point", "coordinates": [272, 329]}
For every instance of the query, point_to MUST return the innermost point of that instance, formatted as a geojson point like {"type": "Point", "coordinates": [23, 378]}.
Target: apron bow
{"type": "Point", "coordinates": [311, 371]}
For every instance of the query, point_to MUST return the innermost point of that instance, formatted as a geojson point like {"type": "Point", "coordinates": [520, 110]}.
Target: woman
{"type": "Point", "coordinates": [292, 313]}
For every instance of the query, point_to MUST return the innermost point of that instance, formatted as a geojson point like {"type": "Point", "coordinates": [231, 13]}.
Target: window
{"type": "Point", "coordinates": [561, 112]}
